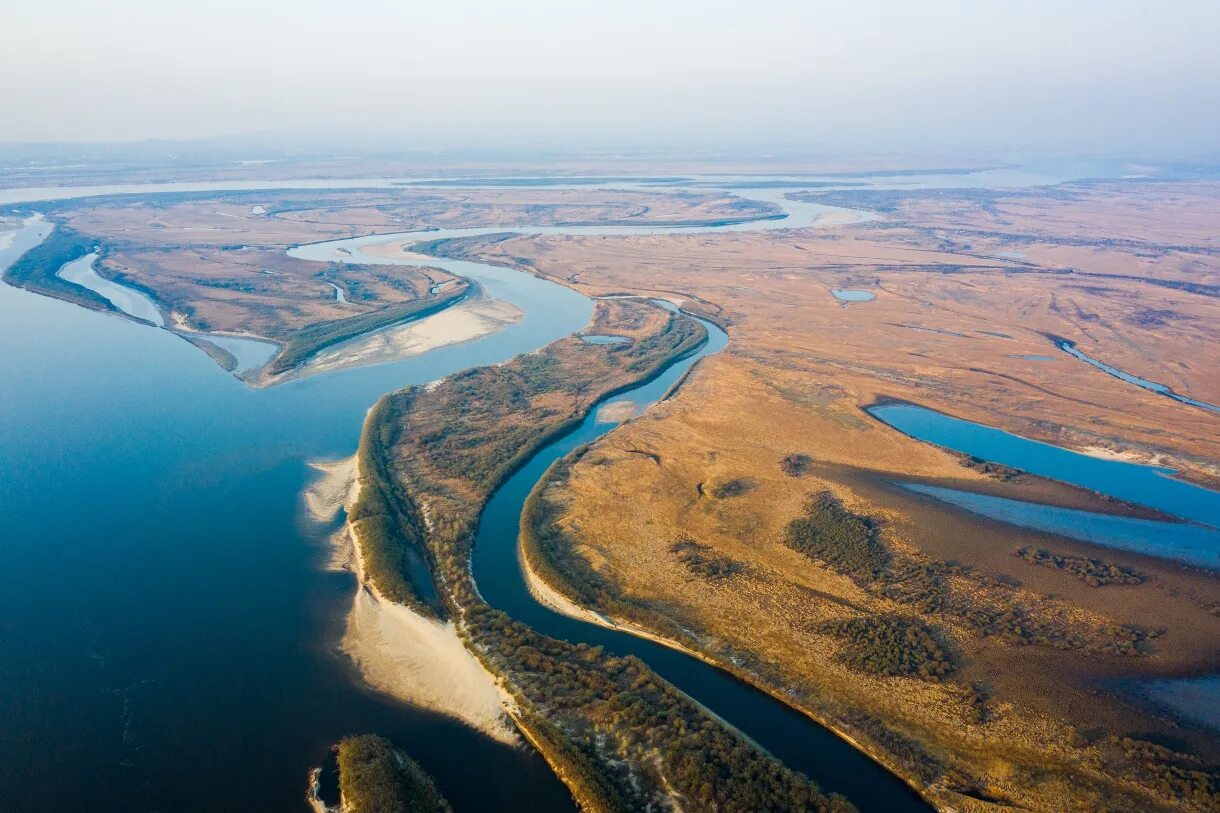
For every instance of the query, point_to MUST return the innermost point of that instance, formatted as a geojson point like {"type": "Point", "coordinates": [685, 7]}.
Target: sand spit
{"type": "Point", "coordinates": [423, 662]}
{"type": "Point", "coordinates": [617, 412]}
{"type": "Point", "coordinates": [412, 658]}
{"type": "Point", "coordinates": [332, 490]}
{"type": "Point", "coordinates": [471, 319]}
{"type": "Point", "coordinates": [313, 794]}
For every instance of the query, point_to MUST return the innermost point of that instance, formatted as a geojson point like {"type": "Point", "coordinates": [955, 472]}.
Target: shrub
{"type": "Point", "coordinates": [375, 778]}
{"type": "Point", "coordinates": [1093, 572]}
{"type": "Point", "coordinates": [695, 556]}
{"type": "Point", "coordinates": [832, 534]}
{"type": "Point", "coordinates": [891, 645]}
{"type": "Point", "coordinates": [796, 465]}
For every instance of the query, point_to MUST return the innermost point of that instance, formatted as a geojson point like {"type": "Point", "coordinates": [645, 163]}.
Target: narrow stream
{"type": "Point", "coordinates": [160, 492]}
{"type": "Point", "coordinates": [1152, 386]}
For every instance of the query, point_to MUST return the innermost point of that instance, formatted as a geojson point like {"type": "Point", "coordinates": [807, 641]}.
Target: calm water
{"type": "Point", "coordinates": [1197, 699]}
{"type": "Point", "coordinates": [166, 629]}
{"type": "Point", "coordinates": [593, 338]}
{"type": "Point", "coordinates": [168, 632]}
{"type": "Point", "coordinates": [853, 296]}
{"type": "Point", "coordinates": [1184, 541]}
{"type": "Point", "coordinates": [1143, 485]}
{"type": "Point", "coordinates": [1152, 386]}
{"type": "Point", "coordinates": [126, 299]}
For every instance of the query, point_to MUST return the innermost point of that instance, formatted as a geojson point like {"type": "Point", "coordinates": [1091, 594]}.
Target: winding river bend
{"type": "Point", "coordinates": [789, 735]}
{"type": "Point", "coordinates": [167, 646]}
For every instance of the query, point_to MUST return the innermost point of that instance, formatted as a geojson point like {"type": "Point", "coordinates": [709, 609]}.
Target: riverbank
{"type": "Point", "coordinates": [397, 651]}
{"type": "Point", "coordinates": [682, 521]}
{"type": "Point", "coordinates": [561, 691]}
{"type": "Point", "coordinates": [472, 318]}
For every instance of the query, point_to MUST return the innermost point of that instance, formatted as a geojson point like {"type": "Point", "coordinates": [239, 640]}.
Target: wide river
{"type": "Point", "coordinates": [169, 633]}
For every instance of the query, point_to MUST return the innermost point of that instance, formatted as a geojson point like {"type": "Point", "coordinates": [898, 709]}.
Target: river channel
{"type": "Point", "coordinates": [169, 632]}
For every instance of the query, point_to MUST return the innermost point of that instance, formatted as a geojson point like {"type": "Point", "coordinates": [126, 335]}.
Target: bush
{"type": "Point", "coordinates": [695, 556]}
{"type": "Point", "coordinates": [733, 488]}
{"type": "Point", "coordinates": [796, 465]}
{"type": "Point", "coordinates": [375, 778]}
{"type": "Point", "coordinates": [1093, 572]}
{"type": "Point", "coordinates": [832, 534]}
{"type": "Point", "coordinates": [891, 645]}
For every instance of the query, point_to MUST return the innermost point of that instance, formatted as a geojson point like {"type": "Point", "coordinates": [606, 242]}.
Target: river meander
{"type": "Point", "coordinates": [169, 632]}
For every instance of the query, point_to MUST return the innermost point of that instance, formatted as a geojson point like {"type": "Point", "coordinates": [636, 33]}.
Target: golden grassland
{"type": "Point", "coordinates": [217, 265]}
{"type": "Point", "coordinates": [949, 324]}
{"type": "Point", "coordinates": [1027, 718]}
{"type": "Point", "coordinates": [1010, 724]}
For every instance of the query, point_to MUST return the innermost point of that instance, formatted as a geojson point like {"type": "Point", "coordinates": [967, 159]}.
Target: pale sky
{"type": "Point", "coordinates": [1139, 77]}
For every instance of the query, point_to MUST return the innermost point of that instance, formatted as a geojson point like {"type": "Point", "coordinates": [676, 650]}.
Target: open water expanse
{"type": "Point", "coordinates": [168, 632]}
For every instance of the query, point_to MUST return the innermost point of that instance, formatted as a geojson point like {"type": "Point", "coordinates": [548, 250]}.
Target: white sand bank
{"type": "Point", "coordinates": [468, 320]}
{"type": "Point", "coordinates": [617, 411]}
{"type": "Point", "coordinates": [423, 662]}
{"type": "Point", "coordinates": [334, 488]}
{"type": "Point", "coordinates": [399, 652]}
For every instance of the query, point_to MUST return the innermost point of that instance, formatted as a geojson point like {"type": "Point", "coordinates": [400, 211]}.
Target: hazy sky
{"type": "Point", "coordinates": [1141, 77]}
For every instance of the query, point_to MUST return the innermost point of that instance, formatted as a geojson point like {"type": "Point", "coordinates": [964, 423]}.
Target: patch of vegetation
{"type": "Point", "coordinates": [1176, 776]}
{"type": "Point", "coordinates": [891, 645]}
{"type": "Point", "coordinates": [36, 270]}
{"type": "Point", "coordinates": [709, 764]}
{"type": "Point", "coordinates": [733, 488]}
{"type": "Point", "coordinates": [997, 471]}
{"type": "Point", "coordinates": [830, 533]}
{"type": "Point", "coordinates": [796, 465]}
{"type": "Point", "coordinates": [376, 778]}
{"type": "Point", "coordinates": [850, 544]}
{"type": "Point", "coordinates": [300, 345]}
{"type": "Point", "coordinates": [1093, 572]}
{"type": "Point", "coordinates": [698, 560]}
{"type": "Point", "coordinates": [384, 519]}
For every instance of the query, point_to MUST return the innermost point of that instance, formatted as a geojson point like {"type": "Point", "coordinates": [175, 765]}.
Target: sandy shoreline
{"type": "Point", "coordinates": [423, 662]}
{"type": "Point", "coordinates": [399, 652]}
{"type": "Point", "coordinates": [470, 319]}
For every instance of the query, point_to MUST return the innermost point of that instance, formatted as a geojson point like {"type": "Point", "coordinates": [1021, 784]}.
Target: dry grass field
{"type": "Point", "coordinates": [953, 319]}
{"type": "Point", "coordinates": [1027, 716]}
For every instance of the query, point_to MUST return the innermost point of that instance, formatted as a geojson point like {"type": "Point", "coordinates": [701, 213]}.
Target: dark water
{"type": "Point", "coordinates": [1143, 485]}
{"type": "Point", "coordinates": [166, 633]}
{"type": "Point", "coordinates": [794, 738]}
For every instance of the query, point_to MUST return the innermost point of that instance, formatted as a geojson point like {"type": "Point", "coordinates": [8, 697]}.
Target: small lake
{"type": "Point", "coordinates": [846, 295]}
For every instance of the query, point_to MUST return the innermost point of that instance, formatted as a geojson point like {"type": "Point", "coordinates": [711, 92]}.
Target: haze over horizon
{"type": "Point", "coordinates": [1123, 77]}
